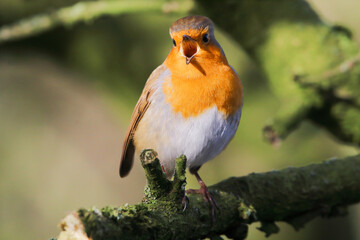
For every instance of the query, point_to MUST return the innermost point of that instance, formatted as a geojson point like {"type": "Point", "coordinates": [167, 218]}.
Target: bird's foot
{"type": "Point", "coordinates": [185, 202]}
{"type": "Point", "coordinates": [207, 198]}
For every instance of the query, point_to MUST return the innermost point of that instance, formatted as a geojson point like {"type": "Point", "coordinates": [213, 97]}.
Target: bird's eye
{"type": "Point", "coordinates": [174, 43]}
{"type": "Point", "coordinates": [205, 38]}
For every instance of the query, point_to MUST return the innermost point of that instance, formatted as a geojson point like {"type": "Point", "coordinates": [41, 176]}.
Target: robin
{"type": "Point", "coordinates": [191, 104]}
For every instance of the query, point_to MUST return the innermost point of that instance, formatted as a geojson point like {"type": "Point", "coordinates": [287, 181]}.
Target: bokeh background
{"type": "Point", "coordinates": [66, 97]}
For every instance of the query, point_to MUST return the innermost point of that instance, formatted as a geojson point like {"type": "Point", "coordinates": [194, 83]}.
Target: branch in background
{"type": "Point", "coordinates": [293, 195]}
{"type": "Point", "coordinates": [86, 12]}
{"type": "Point", "coordinates": [324, 80]}
{"type": "Point", "coordinates": [292, 29]}
{"type": "Point", "coordinates": [289, 40]}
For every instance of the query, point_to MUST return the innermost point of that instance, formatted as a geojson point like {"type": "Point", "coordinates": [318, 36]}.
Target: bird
{"type": "Point", "coordinates": [191, 104]}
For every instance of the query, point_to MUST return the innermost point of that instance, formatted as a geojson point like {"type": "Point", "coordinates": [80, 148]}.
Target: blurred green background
{"type": "Point", "coordinates": [66, 97]}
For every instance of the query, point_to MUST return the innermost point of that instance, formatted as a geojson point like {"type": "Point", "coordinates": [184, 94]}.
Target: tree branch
{"type": "Point", "coordinates": [323, 80]}
{"type": "Point", "coordinates": [293, 195]}
{"type": "Point", "coordinates": [86, 12]}
{"type": "Point", "coordinates": [289, 41]}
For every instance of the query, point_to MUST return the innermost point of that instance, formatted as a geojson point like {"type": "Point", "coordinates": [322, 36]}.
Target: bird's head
{"type": "Point", "coordinates": [194, 41]}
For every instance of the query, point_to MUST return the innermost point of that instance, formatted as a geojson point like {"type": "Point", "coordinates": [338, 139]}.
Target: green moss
{"type": "Point", "coordinates": [246, 212]}
{"type": "Point", "coordinates": [349, 118]}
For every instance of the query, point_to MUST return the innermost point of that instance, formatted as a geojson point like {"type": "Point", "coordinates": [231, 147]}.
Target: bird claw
{"type": "Point", "coordinates": [185, 202]}
{"type": "Point", "coordinates": [208, 198]}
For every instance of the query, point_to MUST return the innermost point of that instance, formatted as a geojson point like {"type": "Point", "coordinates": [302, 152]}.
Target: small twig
{"type": "Point", "coordinates": [86, 12]}
{"type": "Point", "coordinates": [324, 79]}
{"type": "Point", "coordinates": [158, 185]}
{"type": "Point", "coordinates": [179, 182]}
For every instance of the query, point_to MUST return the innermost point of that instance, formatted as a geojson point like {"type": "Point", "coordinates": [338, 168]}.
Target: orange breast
{"type": "Point", "coordinates": [200, 85]}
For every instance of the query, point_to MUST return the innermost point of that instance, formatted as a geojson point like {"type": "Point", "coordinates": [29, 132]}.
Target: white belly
{"type": "Point", "coordinates": [200, 138]}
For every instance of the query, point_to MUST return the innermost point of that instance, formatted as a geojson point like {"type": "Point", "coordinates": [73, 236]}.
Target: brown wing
{"type": "Point", "coordinates": [127, 156]}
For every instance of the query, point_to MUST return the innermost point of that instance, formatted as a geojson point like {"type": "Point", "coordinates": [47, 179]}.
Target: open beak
{"type": "Point", "coordinates": [189, 48]}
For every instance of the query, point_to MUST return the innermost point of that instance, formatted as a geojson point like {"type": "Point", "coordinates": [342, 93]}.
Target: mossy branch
{"type": "Point", "coordinates": [293, 195]}
{"type": "Point", "coordinates": [86, 12]}
{"type": "Point", "coordinates": [159, 188]}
